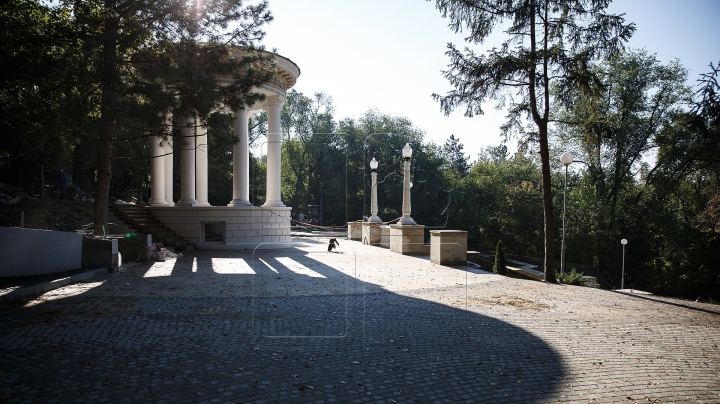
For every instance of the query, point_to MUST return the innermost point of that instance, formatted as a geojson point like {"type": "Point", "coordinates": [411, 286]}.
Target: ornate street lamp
{"type": "Point", "coordinates": [406, 220]}
{"type": "Point", "coordinates": [566, 159]}
{"type": "Point", "coordinates": [622, 281]}
{"type": "Point", "coordinates": [373, 198]}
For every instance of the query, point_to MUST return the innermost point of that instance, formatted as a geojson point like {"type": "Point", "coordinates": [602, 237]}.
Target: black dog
{"type": "Point", "coordinates": [332, 244]}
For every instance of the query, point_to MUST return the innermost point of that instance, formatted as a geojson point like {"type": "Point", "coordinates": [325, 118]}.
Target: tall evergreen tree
{"type": "Point", "coordinates": [550, 43]}
{"type": "Point", "coordinates": [455, 155]}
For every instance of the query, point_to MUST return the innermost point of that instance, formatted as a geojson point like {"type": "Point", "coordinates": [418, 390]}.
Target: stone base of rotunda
{"type": "Point", "coordinates": [228, 227]}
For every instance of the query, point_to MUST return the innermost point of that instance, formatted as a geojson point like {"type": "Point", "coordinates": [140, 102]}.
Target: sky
{"type": "Point", "coordinates": [389, 54]}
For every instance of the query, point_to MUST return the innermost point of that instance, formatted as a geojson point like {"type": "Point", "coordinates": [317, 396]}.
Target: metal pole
{"type": "Point", "coordinates": [321, 212]}
{"type": "Point", "coordinates": [42, 175]}
{"type": "Point", "coordinates": [622, 281]}
{"type": "Point", "coordinates": [562, 251]}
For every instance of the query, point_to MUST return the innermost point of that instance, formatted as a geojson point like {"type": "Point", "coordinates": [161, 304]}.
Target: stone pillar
{"type": "Point", "coordinates": [406, 220]}
{"type": "Point", "coordinates": [157, 171]}
{"type": "Point", "coordinates": [373, 200]}
{"type": "Point", "coordinates": [241, 161]}
{"type": "Point", "coordinates": [201, 164]}
{"type": "Point", "coordinates": [274, 143]}
{"type": "Point", "coordinates": [187, 164]}
{"type": "Point", "coordinates": [169, 171]}
{"type": "Point", "coordinates": [448, 247]}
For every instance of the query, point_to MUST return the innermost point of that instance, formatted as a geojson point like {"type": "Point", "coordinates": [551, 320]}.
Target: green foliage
{"type": "Point", "coordinates": [665, 203]}
{"type": "Point", "coordinates": [500, 199]}
{"type": "Point", "coordinates": [570, 278]}
{"type": "Point", "coordinates": [549, 43]}
{"type": "Point", "coordinates": [500, 264]}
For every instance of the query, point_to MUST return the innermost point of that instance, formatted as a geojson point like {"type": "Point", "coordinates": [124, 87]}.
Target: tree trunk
{"type": "Point", "coordinates": [547, 204]}
{"type": "Point", "coordinates": [107, 118]}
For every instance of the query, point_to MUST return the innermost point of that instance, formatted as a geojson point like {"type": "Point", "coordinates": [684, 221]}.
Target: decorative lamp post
{"type": "Point", "coordinates": [622, 281]}
{"type": "Point", "coordinates": [373, 198]}
{"type": "Point", "coordinates": [566, 159]}
{"type": "Point", "coordinates": [406, 220]}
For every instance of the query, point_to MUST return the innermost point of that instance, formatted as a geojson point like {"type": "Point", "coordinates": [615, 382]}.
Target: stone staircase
{"type": "Point", "coordinates": [138, 217]}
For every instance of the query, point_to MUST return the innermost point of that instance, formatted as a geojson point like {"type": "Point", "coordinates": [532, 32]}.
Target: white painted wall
{"type": "Point", "coordinates": [26, 252]}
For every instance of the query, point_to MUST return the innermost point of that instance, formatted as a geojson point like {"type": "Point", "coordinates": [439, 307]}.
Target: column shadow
{"type": "Point", "coordinates": [366, 344]}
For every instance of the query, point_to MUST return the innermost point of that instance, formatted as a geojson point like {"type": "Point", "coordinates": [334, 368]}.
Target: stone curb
{"type": "Point", "coordinates": [32, 291]}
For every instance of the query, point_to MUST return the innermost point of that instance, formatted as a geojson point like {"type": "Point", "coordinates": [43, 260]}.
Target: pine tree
{"type": "Point", "coordinates": [551, 44]}
{"type": "Point", "coordinates": [454, 154]}
{"type": "Point", "coordinates": [500, 265]}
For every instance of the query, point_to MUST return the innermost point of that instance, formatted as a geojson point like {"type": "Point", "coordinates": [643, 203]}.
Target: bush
{"type": "Point", "coordinates": [571, 278]}
{"type": "Point", "coordinates": [500, 265]}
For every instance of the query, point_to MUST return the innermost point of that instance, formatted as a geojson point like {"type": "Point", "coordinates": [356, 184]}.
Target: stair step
{"type": "Point", "coordinates": [147, 223]}
{"type": "Point", "coordinates": [155, 232]}
{"type": "Point", "coordinates": [130, 208]}
{"type": "Point", "coordinates": [158, 225]}
{"type": "Point", "coordinates": [172, 241]}
{"type": "Point", "coordinates": [141, 219]}
{"type": "Point", "coordinates": [184, 246]}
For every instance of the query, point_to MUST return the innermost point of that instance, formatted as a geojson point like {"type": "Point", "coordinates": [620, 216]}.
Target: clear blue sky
{"type": "Point", "coordinates": [388, 55]}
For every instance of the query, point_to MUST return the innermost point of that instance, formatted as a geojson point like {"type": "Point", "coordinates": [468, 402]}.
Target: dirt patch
{"type": "Point", "coordinates": [47, 214]}
{"type": "Point", "coordinates": [513, 301]}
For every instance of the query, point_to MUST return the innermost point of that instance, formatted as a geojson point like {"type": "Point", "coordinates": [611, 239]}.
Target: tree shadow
{"type": "Point", "coordinates": [365, 344]}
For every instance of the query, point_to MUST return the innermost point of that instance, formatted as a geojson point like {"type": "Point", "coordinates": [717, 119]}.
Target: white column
{"type": "Point", "coordinates": [274, 142]}
{"type": "Point", "coordinates": [201, 164]}
{"type": "Point", "coordinates": [157, 171]}
{"type": "Point", "coordinates": [241, 161]}
{"type": "Point", "coordinates": [169, 171]}
{"type": "Point", "coordinates": [373, 200]}
{"type": "Point", "coordinates": [187, 164]}
{"type": "Point", "coordinates": [406, 220]}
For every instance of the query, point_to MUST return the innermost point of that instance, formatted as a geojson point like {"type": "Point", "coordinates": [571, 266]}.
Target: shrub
{"type": "Point", "coordinates": [570, 278]}
{"type": "Point", "coordinates": [500, 265]}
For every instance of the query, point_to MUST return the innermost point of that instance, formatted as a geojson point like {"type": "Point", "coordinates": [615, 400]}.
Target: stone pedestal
{"type": "Point", "coordinates": [372, 233]}
{"type": "Point", "coordinates": [355, 230]}
{"type": "Point", "coordinates": [407, 240]}
{"type": "Point", "coordinates": [448, 247]}
{"type": "Point", "coordinates": [245, 227]}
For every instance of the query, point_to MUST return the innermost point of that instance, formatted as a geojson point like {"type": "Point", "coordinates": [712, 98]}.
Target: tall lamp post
{"type": "Point", "coordinates": [566, 159]}
{"type": "Point", "coordinates": [373, 198]}
{"type": "Point", "coordinates": [406, 220]}
{"type": "Point", "coordinates": [622, 281]}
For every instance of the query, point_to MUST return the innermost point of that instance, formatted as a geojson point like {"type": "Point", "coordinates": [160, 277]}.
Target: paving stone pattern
{"type": "Point", "coordinates": [183, 337]}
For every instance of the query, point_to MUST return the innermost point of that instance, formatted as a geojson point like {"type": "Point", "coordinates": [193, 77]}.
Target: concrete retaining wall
{"type": "Point", "coordinates": [100, 253]}
{"type": "Point", "coordinates": [27, 252]}
{"type": "Point", "coordinates": [136, 248]}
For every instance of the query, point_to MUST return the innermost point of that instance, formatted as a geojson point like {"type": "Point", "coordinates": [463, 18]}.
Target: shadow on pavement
{"type": "Point", "coordinates": [363, 345]}
{"type": "Point", "coordinates": [676, 304]}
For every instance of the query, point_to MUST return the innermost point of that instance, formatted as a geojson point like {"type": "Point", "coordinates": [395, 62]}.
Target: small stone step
{"type": "Point", "coordinates": [141, 218]}
{"type": "Point", "coordinates": [146, 223]}
{"type": "Point", "coordinates": [184, 245]}
{"type": "Point", "coordinates": [152, 227]}
{"type": "Point", "coordinates": [164, 230]}
{"type": "Point", "coordinates": [130, 208]}
{"type": "Point", "coordinates": [172, 241]}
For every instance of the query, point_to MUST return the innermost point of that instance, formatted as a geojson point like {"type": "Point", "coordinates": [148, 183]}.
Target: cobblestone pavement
{"type": "Point", "coordinates": [367, 325]}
